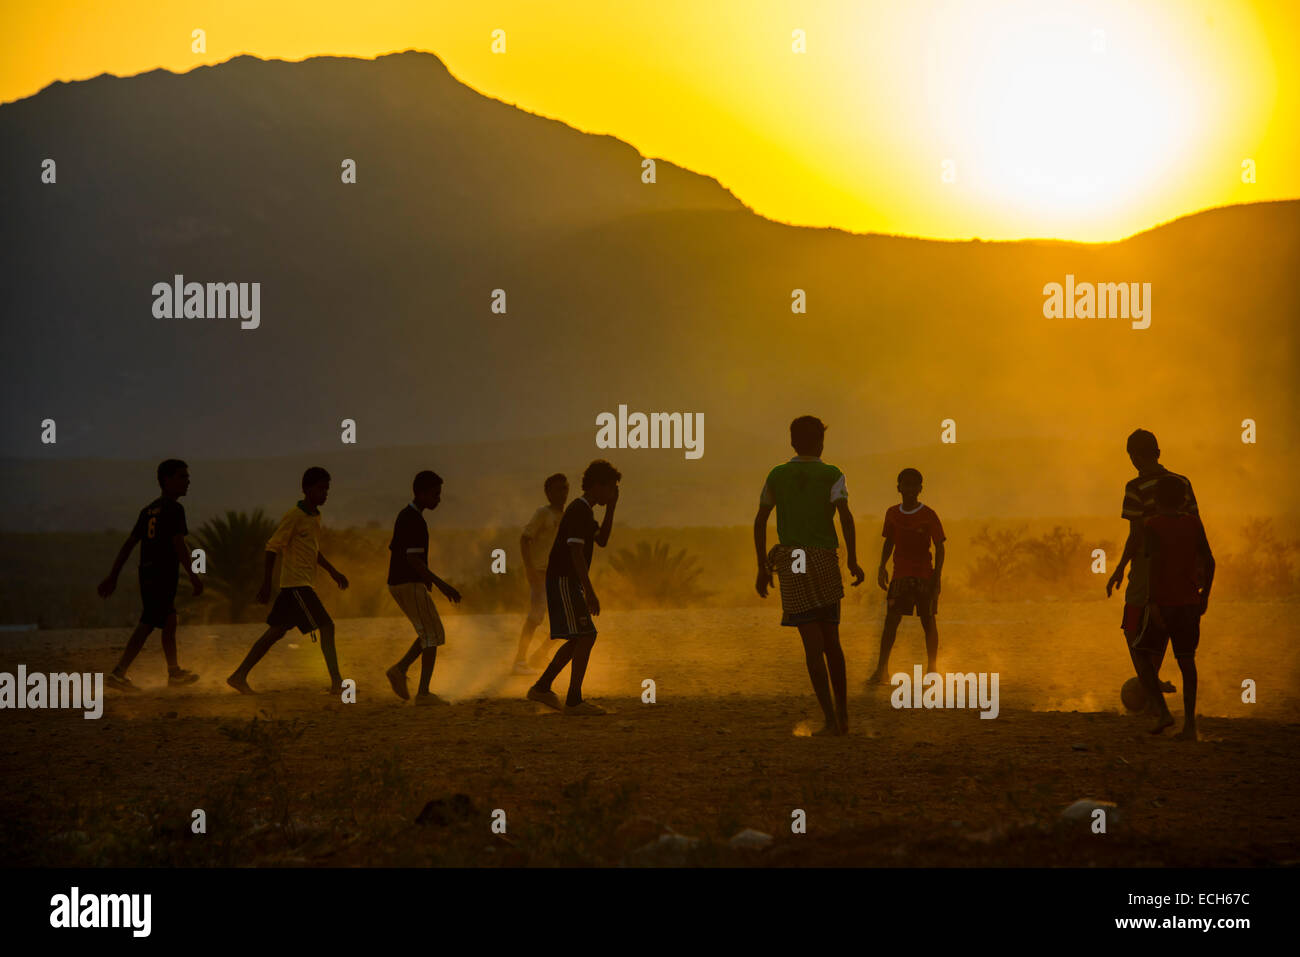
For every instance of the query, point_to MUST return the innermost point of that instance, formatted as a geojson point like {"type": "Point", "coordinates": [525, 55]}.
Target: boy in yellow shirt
{"type": "Point", "coordinates": [297, 541]}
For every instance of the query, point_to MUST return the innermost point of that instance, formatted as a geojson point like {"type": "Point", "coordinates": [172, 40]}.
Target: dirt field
{"type": "Point", "coordinates": [291, 777]}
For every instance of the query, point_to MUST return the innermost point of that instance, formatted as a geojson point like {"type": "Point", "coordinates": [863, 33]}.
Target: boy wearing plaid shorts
{"type": "Point", "coordinates": [806, 493]}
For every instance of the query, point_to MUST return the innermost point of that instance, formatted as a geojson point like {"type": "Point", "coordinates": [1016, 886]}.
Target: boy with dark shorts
{"type": "Point", "coordinates": [807, 493]}
{"type": "Point", "coordinates": [909, 529]}
{"type": "Point", "coordinates": [410, 583]}
{"type": "Point", "coordinates": [1175, 546]}
{"type": "Point", "coordinates": [570, 600]}
{"type": "Point", "coordinates": [1139, 505]}
{"type": "Point", "coordinates": [160, 529]}
{"type": "Point", "coordinates": [297, 541]}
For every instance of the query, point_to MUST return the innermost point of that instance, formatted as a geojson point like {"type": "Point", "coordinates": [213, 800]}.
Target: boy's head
{"type": "Point", "coordinates": [1143, 451]}
{"type": "Point", "coordinates": [909, 485]}
{"type": "Point", "coordinates": [1170, 494]}
{"type": "Point", "coordinates": [556, 488]}
{"type": "Point", "coordinates": [315, 486]}
{"type": "Point", "coordinates": [173, 478]}
{"type": "Point", "coordinates": [600, 482]}
{"type": "Point", "coordinates": [807, 435]}
{"type": "Point", "coordinates": [426, 489]}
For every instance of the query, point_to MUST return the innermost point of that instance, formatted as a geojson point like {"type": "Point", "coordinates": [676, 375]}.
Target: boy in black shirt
{"type": "Point", "coordinates": [410, 582]}
{"type": "Point", "coordinates": [570, 600]}
{"type": "Point", "coordinates": [160, 529]}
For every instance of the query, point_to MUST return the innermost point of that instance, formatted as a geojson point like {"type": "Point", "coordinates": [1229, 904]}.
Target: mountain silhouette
{"type": "Point", "coordinates": [673, 296]}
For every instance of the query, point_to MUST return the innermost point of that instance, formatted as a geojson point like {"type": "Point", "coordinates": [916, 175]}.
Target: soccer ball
{"type": "Point", "coordinates": [1133, 695]}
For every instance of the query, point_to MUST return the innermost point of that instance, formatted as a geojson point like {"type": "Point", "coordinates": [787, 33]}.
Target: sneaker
{"type": "Point", "coordinates": [583, 707]}
{"type": "Point", "coordinates": [429, 699]}
{"type": "Point", "coordinates": [521, 668]}
{"type": "Point", "coordinates": [548, 698]}
{"type": "Point", "coordinates": [397, 678]}
{"type": "Point", "coordinates": [181, 677]}
{"type": "Point", "coordinates": [114, 680]}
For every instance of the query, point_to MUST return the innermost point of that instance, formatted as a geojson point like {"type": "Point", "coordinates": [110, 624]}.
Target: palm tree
{"type": "Point", "coordinates": [235, 546]}
{"type": "Point", "coordinates": [654, 576]}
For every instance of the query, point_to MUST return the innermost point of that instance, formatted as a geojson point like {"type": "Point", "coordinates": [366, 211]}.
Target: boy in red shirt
{"type": "Point", "coordinates": [1175, 543]}
{"type": "Point", "coordinates": [909, 530]}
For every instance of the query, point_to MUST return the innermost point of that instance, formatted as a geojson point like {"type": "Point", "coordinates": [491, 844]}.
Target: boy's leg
{"type": "Point", "coordinates": [535, 616]}
{"type": "Point", "coordinates": [331, 656]}
{"type": "Point", "coordinates": [838, 674]}
{"type": "Point", "coordinates": [1146, 669]}
{"type": "Point", "coordinates": [239, 680]}
{"type": "Point", "coordinates": [408, 659]}
{"type": "Point", "coordinates": [580, 656]}
{"type": "Point", "coordinates": [880, 675]}
{"type": "Point", "coordinates": [562, 658]}
{"type": "Point", "coordinates": [931, 639]}
{"type": "Point", "coordinates": [1187, 665]}
{"type": "Point", "coordinates": [428, 657]}
{"type": "Point", "coordinates": [814, 652]}
{"type": "Point", "coordinates": [133, 646]}
{"type": "Point", "coordinates": [169, 645]}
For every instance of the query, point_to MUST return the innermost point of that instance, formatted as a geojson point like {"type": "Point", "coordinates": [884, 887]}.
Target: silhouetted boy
{"type": "Point", "coordinates": [909, 529]}
{"type": "Point", "coordinates": [570, 600]}
{"type": "Point", "coordinates": [1175, 544]}
{"type": "Point", "coordinates": [1139, 505]}
{"type": "Point", "coordinates": [806, 493]}
{"type": "Point", "coordinates": [297, 541]}
{"type": "Point", "coordinates": [410, 583]}
{"type": "Point", "coordinates": [160, 529]}
{"type": "Point", "coordinates": [535, 545]}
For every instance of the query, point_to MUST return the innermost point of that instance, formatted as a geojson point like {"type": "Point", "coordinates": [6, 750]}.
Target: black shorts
{"type": "Point", "coordinates": [1146, 634]}
{"type": "Point", "coordinates": [1183, 625]}
{"type": "Point", "coordinates": [157, 597]}
{"type": "Point", "coordinates": [567, 607]}
{"type": "Point", "coordinates": [299, 608]}
{"type": "Point", "coordinates": [909, 596]}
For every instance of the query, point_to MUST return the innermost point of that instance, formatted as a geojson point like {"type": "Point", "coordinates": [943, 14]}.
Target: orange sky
{"type": "Point", "coordinates": [1056, 118]}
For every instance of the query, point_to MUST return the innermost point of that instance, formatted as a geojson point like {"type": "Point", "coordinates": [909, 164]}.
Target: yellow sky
{"type": "Point", "coordinates": [1081, 120]}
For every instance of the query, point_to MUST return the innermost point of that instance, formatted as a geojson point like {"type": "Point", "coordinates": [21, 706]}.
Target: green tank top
{"type": "Point", "coordinates": [804, 492]}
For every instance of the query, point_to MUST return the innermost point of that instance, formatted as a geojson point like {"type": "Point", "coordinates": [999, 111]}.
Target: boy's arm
{"type": "Point", "coordinates": [607, 524]}
{"type": "Point", "coordinates": [764, 581]}
{"type": "Point", "coordinates": [850, 541]}
{"type": "Point", "coordinates": [939, 552]}
{"type": "Point", "coordinates": [525, 542]}
{"type": "Point", "coordinates": [108, 584]}
{"type": "Point", "coordinates": [338, 576]}
{"type": "Point", "coordinates": [882, 575]}
{"type": "Point", "coordinates": [264, 593]}
{"type": "Point", "coordinates": [1131, 545]}
{"type": "Point", "coordinates": [580, 563]}
{"type": "Point", "coordinates": [1203, 546]}
{"type": "Point", "coordinates": [183, 556]}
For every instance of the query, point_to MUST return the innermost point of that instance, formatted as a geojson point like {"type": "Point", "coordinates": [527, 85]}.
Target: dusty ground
{"type": "Point", "coordinates": [293, 777]}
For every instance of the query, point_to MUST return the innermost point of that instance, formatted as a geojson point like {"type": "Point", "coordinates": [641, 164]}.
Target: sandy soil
{"type": "Point", "coordinates": [294, 777]}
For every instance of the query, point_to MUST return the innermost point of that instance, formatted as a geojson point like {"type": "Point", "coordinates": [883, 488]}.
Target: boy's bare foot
{"type": "Point", "coordinates": [423, 700]}
{"type": "Point", "coordinates": [1165, 720]}
{"type": "Point", "coordinates": [1187, 734]}
{"type": "Point", "coordinates": [827, 731]}
{"type": "Point", "coordinates": [877, 678]}
{"type": "Point", "coordinates": [181, 677]}
{"type": "Point", "coordinates": [335, 690]}
{"type": "Point", "coordinates": [397, 678]}
{"type": "Point", "coordinates": [1168, 687]}
{"type": "Point", "coordinates": [240, 684]}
